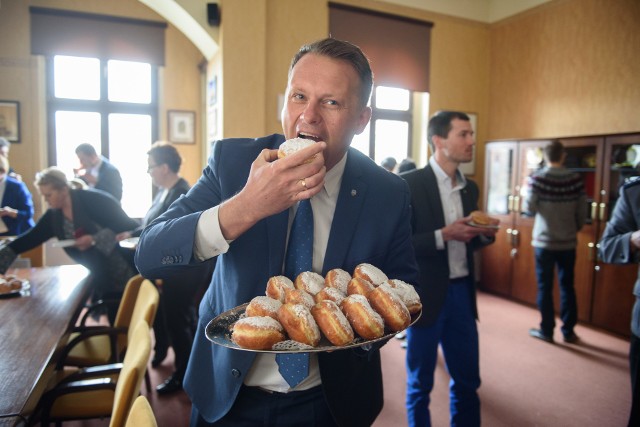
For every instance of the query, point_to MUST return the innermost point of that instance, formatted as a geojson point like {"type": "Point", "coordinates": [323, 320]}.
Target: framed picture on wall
{"type": "Point", "coordinates": [182, 126]}
{"type": "Point", "coordinates": [10, 120]}
{"type": "Point", "coordinates": [470, 168]}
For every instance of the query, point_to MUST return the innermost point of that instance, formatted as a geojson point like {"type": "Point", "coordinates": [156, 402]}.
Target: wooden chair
{"type": "Point", "coordinates": [100, 345]}
{"type": "Point", "coordinates": [141, 414]}
{"type": "Point", "coordinates": [94, 393]}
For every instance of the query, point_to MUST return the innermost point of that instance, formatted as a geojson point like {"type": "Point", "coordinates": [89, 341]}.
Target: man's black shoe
{"type": "Point", "coordinates": [537, 333]}
{"type": "Point", "coordinates": [571, 338]}
{"type": "Point", "coordinates": [171, 385]}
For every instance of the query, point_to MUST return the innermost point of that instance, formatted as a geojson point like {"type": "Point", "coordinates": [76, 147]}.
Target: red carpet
{"type": "Point", "coordinates": [525, 382]}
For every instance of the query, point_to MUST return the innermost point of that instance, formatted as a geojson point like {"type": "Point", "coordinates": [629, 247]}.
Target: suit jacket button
{"type": "Point", "coordinates": [235, 373]}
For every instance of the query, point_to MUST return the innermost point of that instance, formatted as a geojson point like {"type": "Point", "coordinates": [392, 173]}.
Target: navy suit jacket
{"type": "Point", "coordinates": [370, 224]}
{"type": "Point", "coordinates": [17, 196]}
{"type": "Point", "coordinates": [427, 217]}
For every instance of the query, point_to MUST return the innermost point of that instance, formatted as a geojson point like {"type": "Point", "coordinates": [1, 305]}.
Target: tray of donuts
{"type": "Point", "coordinates": [12, 286]}
{"type": "Point", "coordinates": [315, 313]}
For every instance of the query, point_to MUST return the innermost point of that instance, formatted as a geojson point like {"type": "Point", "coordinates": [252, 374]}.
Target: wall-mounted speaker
{"type": "Point", "coordinates": [213, 14]}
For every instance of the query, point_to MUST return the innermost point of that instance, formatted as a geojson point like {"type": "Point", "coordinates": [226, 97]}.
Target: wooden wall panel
{"type": "Point", "coordinates": [567, 68]}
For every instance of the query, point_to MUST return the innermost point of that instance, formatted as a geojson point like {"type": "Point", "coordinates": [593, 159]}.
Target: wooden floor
{"type": "Point", "coordinates": [525, 382]}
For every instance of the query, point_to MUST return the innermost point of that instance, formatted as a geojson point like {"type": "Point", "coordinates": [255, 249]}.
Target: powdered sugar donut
{"type": "Point", "coordinates": [299, 324]}
{"type": "Point", "coordinates": [337, 278]}
{"type": "Point", "coordinates": [407, 294]}
{"type": "Point", "coordinates": [257, 333]}
{"type": "Point", "coordinates": [276, 287]}
{"type": "Point", "coordinates": [293, 145]}
{"type": "Point", "coordinates": [263, 306]}
{"type": "Point", "coordinates": [370, 273]}
{"type": "Point", "coordinates": [310, 282]}
{"type": "Point", "coordinates": [332, 322]}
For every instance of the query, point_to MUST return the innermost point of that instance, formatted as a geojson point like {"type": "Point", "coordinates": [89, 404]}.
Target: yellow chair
{"type": "Point", "coordinates": [141, 414]}
{"type": "Point", "coordinates": [99, 345]}
{"type": "Point", "coordinates": [83, 398]}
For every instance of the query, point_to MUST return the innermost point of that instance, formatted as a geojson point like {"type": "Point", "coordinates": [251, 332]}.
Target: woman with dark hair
{"type": "Point", "coordinates": [175, 321]}
{"type": "Point", "coordinates": [87, 221]}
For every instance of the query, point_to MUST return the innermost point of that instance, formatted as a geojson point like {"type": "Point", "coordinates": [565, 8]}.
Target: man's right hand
{"type": "Point", "coordinates": [273, 186]}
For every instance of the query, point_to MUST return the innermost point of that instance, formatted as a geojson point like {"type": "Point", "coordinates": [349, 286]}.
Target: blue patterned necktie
{"type": "Point", "coordinates": [294, 367]}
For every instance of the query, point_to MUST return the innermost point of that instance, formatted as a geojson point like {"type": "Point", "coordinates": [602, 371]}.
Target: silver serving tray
{"type": "Point", "coordinates": [219, 329]}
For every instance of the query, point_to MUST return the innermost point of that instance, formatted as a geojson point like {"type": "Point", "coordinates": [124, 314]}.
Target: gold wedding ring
{"type": "Point", "coordinates": [303, 183]}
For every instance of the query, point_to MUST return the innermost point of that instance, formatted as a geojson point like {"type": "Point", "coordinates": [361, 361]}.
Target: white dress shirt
{"type": "Point", "coordinates": [452, 209]}
{"type": "Point", "coordinates": [210, 242]}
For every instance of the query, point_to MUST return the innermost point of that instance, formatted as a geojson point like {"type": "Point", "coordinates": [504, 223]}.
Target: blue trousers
{"type": "Point", "coordinates": [456, 331]}
{"type": "Point", "coordinates": [565, 260]}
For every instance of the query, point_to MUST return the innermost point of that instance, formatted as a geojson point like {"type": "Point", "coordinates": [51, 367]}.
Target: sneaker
{"type": "Point", "coordinates": [401, 335]}
{"type": "Point", "coordinates": [403, 344]}
{"type": "Point", "coordinates": [537, 333]}
{"type": "Point", "coordinates": [571, 338]}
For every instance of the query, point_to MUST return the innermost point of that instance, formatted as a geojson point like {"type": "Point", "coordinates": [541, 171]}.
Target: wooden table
{"type": "Point", "coordinates": [33, 328]}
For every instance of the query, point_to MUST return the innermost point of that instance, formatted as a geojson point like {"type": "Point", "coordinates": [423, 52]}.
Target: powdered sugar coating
{"type": "Point", "coordinates": [331, 294]}
{"type": "Point", "coordinates": [310, 282]}
{"type": "Point", "coordinates": [299, 296]}
{"type": "Point", "coordinates": [405, 291]}
{"type": "Point", "coordinates": [263, 322]}
{"type": "Point", "coordinates": [338, 279]}
{"type": "Point", "coordinates": [277, 286]}
{"type": "Point", "coordinates": [364, 303]}
{"type": "Point", "coordinates": [290, 146]}
{"type": "Point", "coordinates": [267, 303]}
{"type": "Point", "coordinates": [371, 273]}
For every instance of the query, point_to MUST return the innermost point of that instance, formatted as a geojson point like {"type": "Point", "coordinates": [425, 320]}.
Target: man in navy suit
{"type": "Point", "coordinates": [98, 172]}
{"type": "Point", "coordinates": [441, 201]}
{"type": "Point", "coordinates": [240, 212]}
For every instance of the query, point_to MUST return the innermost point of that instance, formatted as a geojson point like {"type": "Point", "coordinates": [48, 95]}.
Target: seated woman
{"type": "Point", "coordinates": [174, 322]}
{"type": "Point", "coordinates": [91, 219]}
{"type": "Point", "coordinates": [16, 209]}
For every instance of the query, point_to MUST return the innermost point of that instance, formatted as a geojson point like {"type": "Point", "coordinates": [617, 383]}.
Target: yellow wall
{"type": "Point", "coordinates": [568, 68]}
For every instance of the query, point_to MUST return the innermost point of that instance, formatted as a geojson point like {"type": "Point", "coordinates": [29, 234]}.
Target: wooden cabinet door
{"type": "Point", "coordinates": [495, 271]}
{"type": "Point", "coordinates": [495, 261]}
{"type": "Point", "coordinates": [525, 286]}
{"type": "Point", "coordinates": [613, 297]}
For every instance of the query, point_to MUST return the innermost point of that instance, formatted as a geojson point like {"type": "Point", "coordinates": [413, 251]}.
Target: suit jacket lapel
{"type": "Point", "coordinates": [433, 196]}
{"type": "Point", "coordinates": [353, 190]}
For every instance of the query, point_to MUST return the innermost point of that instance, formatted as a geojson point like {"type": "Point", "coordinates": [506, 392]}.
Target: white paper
{"type": "Point", "coordinates": [64, 243]}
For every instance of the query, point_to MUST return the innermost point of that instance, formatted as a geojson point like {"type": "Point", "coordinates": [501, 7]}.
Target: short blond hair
{"type": "Point", "coordinates": [52, 176]}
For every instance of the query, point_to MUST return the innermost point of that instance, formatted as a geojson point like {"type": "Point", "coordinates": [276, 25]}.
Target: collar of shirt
{"type": "Point", "coordinates": [444, 179]}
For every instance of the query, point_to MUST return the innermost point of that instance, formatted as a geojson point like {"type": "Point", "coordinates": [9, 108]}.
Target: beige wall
{"type": "Point", "coordinates": [22, 79]}
{"type": "Point", "coordinates": [568, 68]}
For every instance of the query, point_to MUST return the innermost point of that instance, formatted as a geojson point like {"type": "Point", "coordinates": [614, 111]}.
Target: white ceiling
{"type": "Point", "coordinates": [488, 11]}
